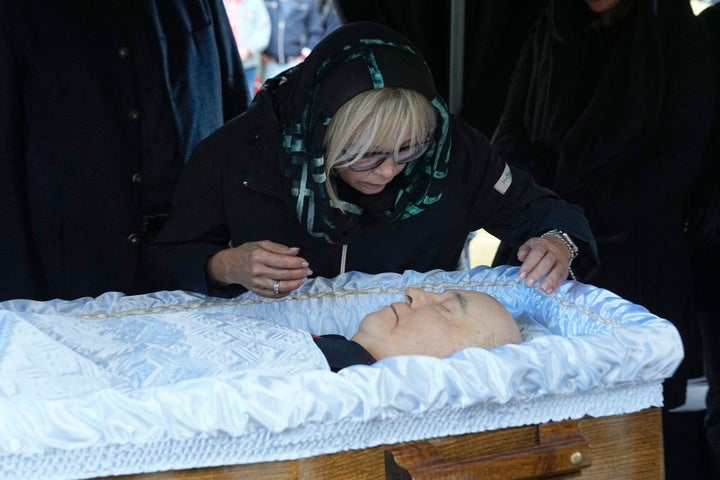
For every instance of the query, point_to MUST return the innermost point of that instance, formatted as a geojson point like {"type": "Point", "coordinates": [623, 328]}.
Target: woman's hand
{"type": "Point", "coordinates": [267, 268]}
{"type": "Point", "coordinates": [547, 256]}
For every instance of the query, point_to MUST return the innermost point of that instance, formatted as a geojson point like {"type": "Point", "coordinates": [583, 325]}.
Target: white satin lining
{"type": "Point", "coordinates": [127, 374]}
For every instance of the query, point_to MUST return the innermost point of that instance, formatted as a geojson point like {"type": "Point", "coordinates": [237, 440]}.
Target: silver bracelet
{"type": "Point", "coordinates": [565, 238]}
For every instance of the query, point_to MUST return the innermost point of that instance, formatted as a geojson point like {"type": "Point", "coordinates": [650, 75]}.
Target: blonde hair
{"type": "Point", "coordinates": [371, 121]}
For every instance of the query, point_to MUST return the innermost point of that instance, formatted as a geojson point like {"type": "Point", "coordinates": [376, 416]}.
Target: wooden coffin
{"type": "Point", "coordinates": [616, 447]}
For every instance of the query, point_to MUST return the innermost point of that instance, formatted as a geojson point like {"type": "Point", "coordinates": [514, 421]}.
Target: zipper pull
{"type": "Point", "coordinates": [343, 257]}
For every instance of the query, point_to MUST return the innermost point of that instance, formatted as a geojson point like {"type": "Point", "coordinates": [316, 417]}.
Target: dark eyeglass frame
{"type": "Point", "coordinates": [372, 160]}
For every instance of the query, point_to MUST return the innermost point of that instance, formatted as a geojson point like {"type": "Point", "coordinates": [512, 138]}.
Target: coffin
{"type": "Point", "coordinates": [180, 385]}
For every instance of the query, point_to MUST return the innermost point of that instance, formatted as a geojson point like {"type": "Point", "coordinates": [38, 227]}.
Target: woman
{"type": "Point", "coordinates": [350, 161]}
{"type": "Point", "coordinates": [610, 106]}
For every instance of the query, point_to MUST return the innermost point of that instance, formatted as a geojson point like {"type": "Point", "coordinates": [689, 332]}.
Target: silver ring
{"type": "Point", "coordinates": [276, 287]}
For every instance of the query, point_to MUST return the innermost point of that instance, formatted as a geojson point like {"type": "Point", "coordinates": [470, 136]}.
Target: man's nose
{"type": "Point", "coordinates": [417, 297]}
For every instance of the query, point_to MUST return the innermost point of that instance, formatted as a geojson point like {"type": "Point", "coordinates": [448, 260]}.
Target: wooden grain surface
{"type": "Point", "coordinates": [623, 447]}
{"type": "Point", "coordinates": [559, 449]}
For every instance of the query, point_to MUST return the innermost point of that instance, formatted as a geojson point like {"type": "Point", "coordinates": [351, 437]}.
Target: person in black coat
{"type": "Point", "coordinates": [351, 161]}
{"type": "Point", "coordinates": [706, 263]}
{"type": "Point", "coordinates": [101, 104]}
{"type": "Point", "coordinates": [610, 106]}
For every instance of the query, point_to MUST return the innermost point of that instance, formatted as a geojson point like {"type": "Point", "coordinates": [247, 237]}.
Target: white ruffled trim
{"type": "Point", "coordinates": [605, 356]}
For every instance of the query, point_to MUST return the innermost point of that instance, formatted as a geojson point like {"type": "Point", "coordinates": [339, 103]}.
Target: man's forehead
{"type": "Point", "coordinates": [481, 299]}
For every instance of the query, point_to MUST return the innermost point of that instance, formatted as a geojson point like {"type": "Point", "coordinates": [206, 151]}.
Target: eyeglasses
{"type": "Point", "coordinates": [372, 160]}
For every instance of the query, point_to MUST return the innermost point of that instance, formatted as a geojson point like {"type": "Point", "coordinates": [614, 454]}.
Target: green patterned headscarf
{"type": "Point", "coordinates": [354, 58]}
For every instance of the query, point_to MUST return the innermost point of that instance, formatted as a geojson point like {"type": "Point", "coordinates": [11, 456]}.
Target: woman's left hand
{"type": "Point", "coordinates": [545, 257]}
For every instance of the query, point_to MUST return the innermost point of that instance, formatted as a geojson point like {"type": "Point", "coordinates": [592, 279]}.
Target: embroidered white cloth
{"type": "Point", "coordinates": [172, 380]}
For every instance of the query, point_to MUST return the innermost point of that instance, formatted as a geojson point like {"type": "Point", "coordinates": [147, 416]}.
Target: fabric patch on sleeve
{"type": "Point", "coordinates": [504, 181]}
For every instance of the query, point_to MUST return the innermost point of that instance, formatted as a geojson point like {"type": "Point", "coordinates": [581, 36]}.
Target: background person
{"type": "Point", "coordinates": [328, 15]}
{"type": "Point", "coordinates": [610, 106]}
{"type": "Point", "coordinates": [351, 161]}
{"type": "Point", "coordinates": [100, 106]}
{"type": "Point", "coordinates": [250, 24]}
{"type": "Point", "coordinates": [297, 26]}
{"type": "Point", "coordinates": [706, 261]}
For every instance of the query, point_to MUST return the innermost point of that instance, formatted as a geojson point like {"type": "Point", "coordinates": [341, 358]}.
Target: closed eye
{"type": "Point", "coordinates": [446, 308]}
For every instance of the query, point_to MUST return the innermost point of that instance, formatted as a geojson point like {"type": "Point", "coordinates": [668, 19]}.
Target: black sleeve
{"type": "Point", "coordinates": [18, 260]}
{"type": "Point", "coordinates": [511, 139]}
{"type": "Point", "coordinates": [507, 202]}
{"type": "Point", "coordinates": [195, 231]}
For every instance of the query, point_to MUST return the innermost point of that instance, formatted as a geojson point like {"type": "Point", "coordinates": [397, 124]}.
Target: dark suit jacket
{"type": "Point", "coordinates": [101, 103]}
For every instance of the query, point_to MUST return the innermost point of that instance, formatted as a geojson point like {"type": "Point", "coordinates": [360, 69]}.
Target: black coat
{"type": "Point", "coordinates": [240, 185]}
{"type": "Point", "coordinates": [100, 106]}
{"type": "Point", "coordinates": [617, 121]}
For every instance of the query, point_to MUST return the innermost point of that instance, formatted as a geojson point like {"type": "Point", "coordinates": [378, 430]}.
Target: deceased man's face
{"type": "Point", "coordinates": [437, 324]}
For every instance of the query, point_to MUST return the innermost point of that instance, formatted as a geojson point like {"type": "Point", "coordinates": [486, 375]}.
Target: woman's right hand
{"type": "Point", "coordinates": [267, 268]}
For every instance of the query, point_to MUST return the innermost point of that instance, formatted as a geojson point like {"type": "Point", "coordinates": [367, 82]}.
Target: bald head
{"type": "Point", "coordinates": [492, 323]}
